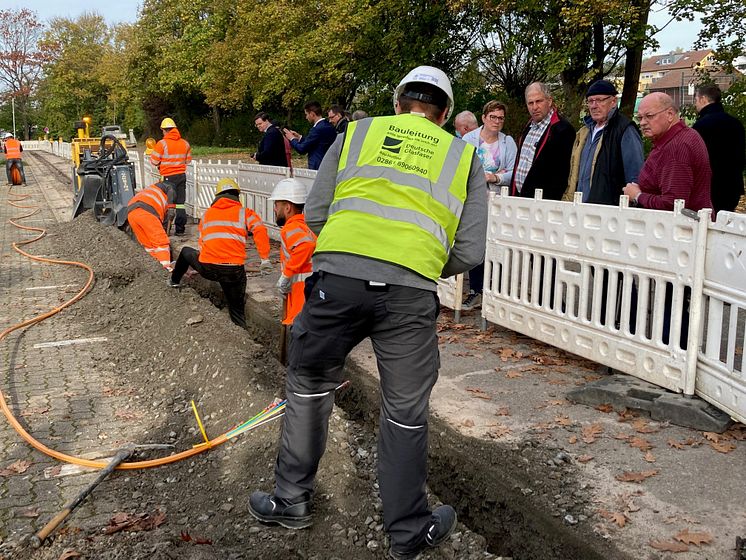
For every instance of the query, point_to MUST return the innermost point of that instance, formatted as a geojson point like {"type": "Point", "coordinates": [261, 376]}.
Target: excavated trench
{"type": "Point", "coordinates": [505, 493]}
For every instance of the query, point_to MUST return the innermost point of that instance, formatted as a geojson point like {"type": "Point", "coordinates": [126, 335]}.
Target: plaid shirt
{"type": "Point", "coordinates": [528, 149]}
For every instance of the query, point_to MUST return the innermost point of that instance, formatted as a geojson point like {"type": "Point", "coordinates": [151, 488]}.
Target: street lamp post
{"type": "Point", "coordinates": [13, 106]}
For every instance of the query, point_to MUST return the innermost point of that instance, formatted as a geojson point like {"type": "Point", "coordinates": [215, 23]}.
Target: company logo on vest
{"type": "Point", "coordinates": [392, 145]}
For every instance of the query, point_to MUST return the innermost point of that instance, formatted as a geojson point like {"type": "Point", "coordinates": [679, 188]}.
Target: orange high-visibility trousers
{"type": "Point", "coordinates": [149, 231]}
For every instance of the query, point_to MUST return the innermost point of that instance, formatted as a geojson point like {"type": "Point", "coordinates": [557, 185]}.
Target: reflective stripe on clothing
{"type": "Point", "coordinates": [12, 149]}
{"type": "Point", "coordinates": [171, 154]}
{"type": "Point", "coordinates": [152, 196]}
{"type": "Point", "coordinates": [224, 230]}
{"type": "Point", "coordinates": [148, 230]}
{"type": "Point", "coordinates": [297, 244]}
{"type": "Point", "coordinates": [401, 187]}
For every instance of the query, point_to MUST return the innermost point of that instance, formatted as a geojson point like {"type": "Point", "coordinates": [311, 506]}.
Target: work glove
{"type": "Point", "coordinates": [284, 284]}
{"type": "Point", "coordinates": [265, 266]}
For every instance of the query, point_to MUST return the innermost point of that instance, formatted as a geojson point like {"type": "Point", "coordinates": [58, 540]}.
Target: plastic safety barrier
{"type": "Point", "coordinates": [721, 370]}
{"type": "Point", "coordinates": [658, 295]}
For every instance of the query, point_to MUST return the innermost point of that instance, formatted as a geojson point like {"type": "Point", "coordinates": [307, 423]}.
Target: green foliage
{"type": "Point", "coordinates": [734, 100]}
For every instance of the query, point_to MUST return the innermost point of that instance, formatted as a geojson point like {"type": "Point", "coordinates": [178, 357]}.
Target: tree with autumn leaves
{"type": "Point", "coordinates": [213, 63]}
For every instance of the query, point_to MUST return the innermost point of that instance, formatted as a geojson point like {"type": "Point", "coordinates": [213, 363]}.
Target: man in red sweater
{"type": "Point", "coordinates": [678, 165]}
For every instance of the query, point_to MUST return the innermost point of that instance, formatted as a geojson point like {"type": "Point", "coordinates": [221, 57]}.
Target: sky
{"type": "Point", "coordinates": [678, 34]}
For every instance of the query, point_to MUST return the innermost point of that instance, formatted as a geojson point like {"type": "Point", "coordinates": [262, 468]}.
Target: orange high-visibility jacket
{"type": "Point", "coordinates": [224, 229]}
{"type": "Point", "coordinates": [156, 199]}
{"type": "Point", "coordinates": [12, 149]}
{"type": "Point", "coordinates": [298, 243]}
{"type": "Point", "coordinates": [172, 154]}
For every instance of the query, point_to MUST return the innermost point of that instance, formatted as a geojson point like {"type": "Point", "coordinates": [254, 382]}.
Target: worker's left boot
{"type": "Point", "coordinates": [292, 514]}
{"type": "Point", "coordinates": [438, 529]}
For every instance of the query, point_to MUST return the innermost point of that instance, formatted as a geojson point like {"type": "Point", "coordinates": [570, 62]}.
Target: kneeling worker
{"type": "Point", "coordinates": [223, 233]}
{"type": "Point", "coordinates": [298, 244]}
{"type": "Point", "coordinates": [148, 213]}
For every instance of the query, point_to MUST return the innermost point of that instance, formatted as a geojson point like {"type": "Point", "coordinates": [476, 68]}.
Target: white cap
{"type": "Point", "coordinates": [291, 190]}
{"type": "Point", "coordinates": [428, 75]}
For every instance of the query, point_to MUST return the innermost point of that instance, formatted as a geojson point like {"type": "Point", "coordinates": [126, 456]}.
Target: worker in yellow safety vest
{"type": "Point", "coordinates": [397, 203]}
{"type": "Point", "coordinates": [13, 149]}
{"type": "Point", "coordinates": [171, 156]}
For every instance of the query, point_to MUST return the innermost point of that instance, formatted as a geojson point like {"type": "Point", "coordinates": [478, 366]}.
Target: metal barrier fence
{"type": "Point", "coordinates": [658, 295]}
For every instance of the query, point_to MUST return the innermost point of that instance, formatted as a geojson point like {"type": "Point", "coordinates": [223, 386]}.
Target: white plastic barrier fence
{"type": "Point", "coordinates": [721, 371]}
{"type": "Point", "coordinates": [657, 295]}
{"type": "Point", "coordinates": [608, 283]}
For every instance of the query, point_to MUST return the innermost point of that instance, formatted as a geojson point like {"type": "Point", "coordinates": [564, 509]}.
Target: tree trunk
{"type": "Point", "coordinates": [633, 58]}
{"type": "Point", "coordinates": [216, 125]}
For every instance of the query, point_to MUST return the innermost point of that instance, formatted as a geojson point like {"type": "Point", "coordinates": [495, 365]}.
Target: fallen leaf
{"type": "Point", "coordinates": [737, 432]}
{"type": "Point", "coordinates": [621, 436]}
{"type": "Point", "coordinates": [615, 517]}
{"type": "Point", "coordinates": [676, 444]}
{"type": "Point", "coordinates": [563, 420]}
{"type": "Point", "coordinates": [558, 382]}
{"type": "Point", "coordinates": [135, 522]}
{"type": "Point", "coordinates": [573, 440]}
{"type": "Point", "coordinates": [19, 467]}
{"type": "Point", "coordinates": [627, 414]}
{"type": "Point", "coordinates": [649, 457]}
{"type": "Point", "coordinates": [185, 536]}
{"type": "Point", "coordinates": [669, 546]}
{"type": "Point", "coordinates": [723, 447]}
{"type": "Point", "coordinates": [503, 411]}
{"type": "Point", "coordinates": [590, 432]}
{"type": "Point", "coordinates": [585, 458]}
{"type": "Point", "coordinates": [606, 408]}
{"type": "Point", "coordinates": [696, 539]}
{"type": "Point", "coordinates": [590, 378]}
{"type": "Point", "coordinates": [513, 374]}
{"type": "Point", "coordinates": [640, 443]}
{"type": "Point", "coordinates": [641, 426]}
{"type": "Point", "coordinates": [478, 393]}
{"type": "Point", "coordinates": [712, 436]}
{"type": "Point", "coordinates": [508, 354]}
{"type": "Point", "coordinates": [69, 553]}
{"type": "Point", "coordinates": [628, 476]}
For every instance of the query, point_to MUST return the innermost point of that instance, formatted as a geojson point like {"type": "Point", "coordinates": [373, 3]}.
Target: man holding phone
{"type": "Point", "coordinates": [319, 138]}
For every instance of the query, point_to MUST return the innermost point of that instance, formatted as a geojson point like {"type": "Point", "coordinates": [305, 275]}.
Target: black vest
{"type": "Point", "coordinates": [608, 174]}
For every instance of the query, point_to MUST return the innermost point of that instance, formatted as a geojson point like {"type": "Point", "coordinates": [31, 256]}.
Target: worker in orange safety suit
{"type": "Point", "coordinates": [223, 232]}
{"type": "Point", "coordinates": [148, 212]}
{"type": "Point", "coordinates": [298, 243]}
{"type": "Point", "coordinates": [171, 156]}
{"type": "Point", "coordinates": [13, 149]}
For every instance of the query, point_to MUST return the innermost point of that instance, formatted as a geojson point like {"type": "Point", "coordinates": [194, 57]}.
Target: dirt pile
{"type": "Point", "coordinates": [164, 348]}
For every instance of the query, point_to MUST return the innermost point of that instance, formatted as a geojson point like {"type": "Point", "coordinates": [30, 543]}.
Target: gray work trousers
{"type": "Point", "coordinates": [401, 323]}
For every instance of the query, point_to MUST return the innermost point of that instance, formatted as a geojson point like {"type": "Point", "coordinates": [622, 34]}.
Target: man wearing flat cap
{"type": "Point", "coordinates": [608, 150]}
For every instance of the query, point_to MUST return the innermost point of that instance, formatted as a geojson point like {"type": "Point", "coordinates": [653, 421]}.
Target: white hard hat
{"type": "Point", "coordinates": [8, 135]}
{"type": "Point", "coordinates": [291, 190]}
{"type": "Point", "coordinates": [428, 75]}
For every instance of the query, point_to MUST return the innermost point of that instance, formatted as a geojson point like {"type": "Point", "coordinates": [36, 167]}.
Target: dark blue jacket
{"type": "Point", "coordinates": [271, 149]}
{"type": "Point", "coordinates": [316, 143]}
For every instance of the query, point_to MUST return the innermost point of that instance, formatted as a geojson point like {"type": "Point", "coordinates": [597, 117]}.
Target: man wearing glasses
{"type": "Point", "coordinates": [608, 150]}
{"type": "Point", "coordinates": [677, 166]}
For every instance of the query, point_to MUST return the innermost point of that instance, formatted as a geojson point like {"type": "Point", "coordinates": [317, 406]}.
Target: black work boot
{"type": "Point", "coordinates": [293, 514]}
{"type": "Point", "coordinates": [438, 529]}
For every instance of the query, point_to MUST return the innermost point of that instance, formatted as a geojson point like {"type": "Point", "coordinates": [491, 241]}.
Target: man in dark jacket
{"type": "Point", "coordinates": [726, 146]}
{"type": "Point", "coordinates": [544, 148]}
{"type": "Point", "coordinates": [318, 139]}
{"type": "Point", "coordinates": [336, 116]}
{"type": "Point", "coordinates": [272, 150]}
{"type": "Point", "coordinates": [608, 150]}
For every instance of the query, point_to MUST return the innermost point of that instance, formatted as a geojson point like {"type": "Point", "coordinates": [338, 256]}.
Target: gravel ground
{"type": "Point", "coordinates": [167, 347]}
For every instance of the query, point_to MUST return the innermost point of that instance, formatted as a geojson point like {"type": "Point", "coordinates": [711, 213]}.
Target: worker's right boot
{"type": "Point", "coordinates": [292, 514]}
{"type": "Point", "coordinates": [438, 529]}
